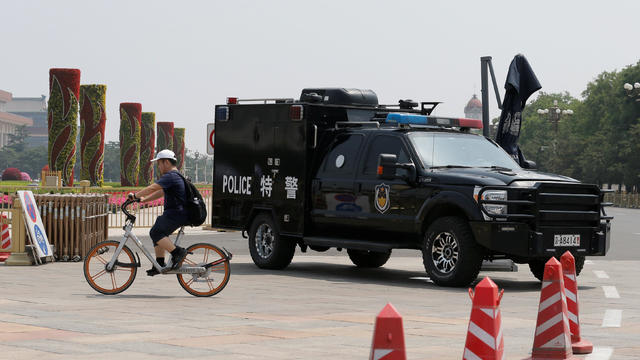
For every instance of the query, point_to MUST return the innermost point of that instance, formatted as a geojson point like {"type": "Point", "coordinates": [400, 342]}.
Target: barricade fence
{"type": "Point", "coordinates": [147, 212]}
{"type": "Point", "coordinates": [627, 200]}
{"type": "Point", "coordinates": [73, 224]}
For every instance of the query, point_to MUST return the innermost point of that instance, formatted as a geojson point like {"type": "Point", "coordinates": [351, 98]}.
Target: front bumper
{"type": "Point", "coordinates": [518, 239]}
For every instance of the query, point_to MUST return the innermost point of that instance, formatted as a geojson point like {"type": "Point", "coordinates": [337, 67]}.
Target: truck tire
{"type": "Point", "coordinates": [537, 266]}
{"type": "Point", "coordinates": [450, 253]}
{"type": "Point", "coordinates": [268, 249]}
{"type": "Point", "coordinates": [368, 259]}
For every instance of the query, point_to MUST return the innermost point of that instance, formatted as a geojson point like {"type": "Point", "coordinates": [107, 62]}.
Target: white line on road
{"type": "Point", "coordinates": [601, 274]}
{"type": "Point", "coordinates": [600, 353]}
{"type": "Point", "coordinates": [612, 318]}
{"type": "Point", "coordinates": [588, 262]}
{"type": "Point", "coordinates": [636, 233]}
{"type": "Point", "coordinates": [611, 292]}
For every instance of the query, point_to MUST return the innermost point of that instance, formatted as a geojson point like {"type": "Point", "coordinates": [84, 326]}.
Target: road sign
{"type": "Point", "coordinates": [211, 131]}
{"type": "Point", "coordinates": [34, 223]}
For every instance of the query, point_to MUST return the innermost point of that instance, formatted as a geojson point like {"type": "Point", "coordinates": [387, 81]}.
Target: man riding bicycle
{"type": "Point", "coordinates": [171, 186]}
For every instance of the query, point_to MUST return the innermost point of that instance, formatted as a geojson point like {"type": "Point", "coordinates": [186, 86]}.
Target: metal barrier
{"type": "Point", "coordinates": [626, 200]}
{"type": "Point", "coordinates": [73, 223]}
{"type": "Point", "coordinates": [147, 212]}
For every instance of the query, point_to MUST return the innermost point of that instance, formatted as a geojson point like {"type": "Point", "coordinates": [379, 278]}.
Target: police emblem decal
{"type": "Point", "coordinates": [382, 201]}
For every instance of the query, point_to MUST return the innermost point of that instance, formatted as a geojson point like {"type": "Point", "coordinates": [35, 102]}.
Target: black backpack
{"type": "Point", "coordinates": [195, 206]}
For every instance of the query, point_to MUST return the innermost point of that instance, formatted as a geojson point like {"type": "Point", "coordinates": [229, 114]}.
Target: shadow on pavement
{"type": "Point", "coordinates": [135, 296]}
{"type": "Point", "coordinates": [339, 273]}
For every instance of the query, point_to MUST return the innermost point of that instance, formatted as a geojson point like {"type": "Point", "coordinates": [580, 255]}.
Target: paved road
{"type": "Point", "coordinates": [319, 307]}
{"type": "Point", "coordinates": [625, 239]}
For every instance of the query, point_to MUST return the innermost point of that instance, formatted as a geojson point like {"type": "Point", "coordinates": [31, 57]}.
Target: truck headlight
{"type": "Point", "coordinates": [495, 195]}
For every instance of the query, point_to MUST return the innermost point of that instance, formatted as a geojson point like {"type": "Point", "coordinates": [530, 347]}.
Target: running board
{"type": "Point", "coordinates": [357, 244]}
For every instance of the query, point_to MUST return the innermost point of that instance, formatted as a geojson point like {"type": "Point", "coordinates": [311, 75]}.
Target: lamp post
{"type": "Point", "coordinates": [555, 113]}
{"type": "Point", "coordinates": [633, 91]}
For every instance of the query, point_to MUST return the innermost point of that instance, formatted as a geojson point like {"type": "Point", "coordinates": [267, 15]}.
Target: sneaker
{"type": "Point", "coordinates": [177, 259]}
{"type": "Point", "coordinates": [153, 272]}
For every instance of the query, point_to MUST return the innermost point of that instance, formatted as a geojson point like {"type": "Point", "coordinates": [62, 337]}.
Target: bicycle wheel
{"type": "Point", "coordinates": [109, 282]}
{"type": "Point", "coordinates": [214, 279]}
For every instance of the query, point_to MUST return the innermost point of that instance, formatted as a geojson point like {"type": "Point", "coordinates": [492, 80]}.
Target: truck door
{"type": "Point", "coordinates": [392, 205]}
{"type": "Point", "coordinates": [334, 202]}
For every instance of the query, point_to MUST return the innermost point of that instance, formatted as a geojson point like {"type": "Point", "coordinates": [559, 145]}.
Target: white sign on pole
{"type": "Point", "coordinates": [34, 223]}
{"type": "Point", "coordinates": [211, 131]}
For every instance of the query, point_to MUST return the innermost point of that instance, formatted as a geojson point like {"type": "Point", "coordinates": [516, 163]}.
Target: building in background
{"type": "Point", "coordinates": [473, 110]}
{"type": "Point", "coordinates": [10, 122]}
{"type": "Point", "coordinates": [34, 108]}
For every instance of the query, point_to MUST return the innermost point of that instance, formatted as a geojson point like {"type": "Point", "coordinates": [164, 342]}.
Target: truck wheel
{"type": "Point", "coordinates": [368, 259]}
{"type": "Point", "coordinates": [268, 249]}
{"type": "Point", "coordinates": [450, 253]}
{"type": "Point", "coordinates": [537, 266]}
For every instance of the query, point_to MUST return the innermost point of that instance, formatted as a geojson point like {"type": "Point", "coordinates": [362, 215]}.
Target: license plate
{"type": "Point", "coordinates": [566, 240]}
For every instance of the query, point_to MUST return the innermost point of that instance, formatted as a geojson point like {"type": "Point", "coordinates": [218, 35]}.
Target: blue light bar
{"type": "Point", "coordinates": [222, 113]}
{"type": "Point", "coordinates": [407, 119]}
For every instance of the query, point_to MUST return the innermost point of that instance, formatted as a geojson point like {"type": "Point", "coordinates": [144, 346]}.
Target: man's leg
{"type": "Point", "coordinates": [177, 253]}
{"type": "Point", "coordinates": [163, 245]}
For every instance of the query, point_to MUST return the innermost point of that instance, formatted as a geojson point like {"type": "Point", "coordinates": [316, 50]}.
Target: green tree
{"type": "Point", "coordinates": [112, 161]}
{"type": "Point", "coordinates": [17, 154]}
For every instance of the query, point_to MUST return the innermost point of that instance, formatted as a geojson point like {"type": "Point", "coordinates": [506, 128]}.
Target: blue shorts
{"type": "Point", "coordinates": [165, 225]}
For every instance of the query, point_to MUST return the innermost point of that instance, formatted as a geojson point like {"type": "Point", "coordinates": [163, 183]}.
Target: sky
{"type": "Point", "coordinates": [180, 58]}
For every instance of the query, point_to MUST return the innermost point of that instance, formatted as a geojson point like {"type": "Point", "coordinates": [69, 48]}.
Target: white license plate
{"type": "Point", "coordinates": [566, 240]}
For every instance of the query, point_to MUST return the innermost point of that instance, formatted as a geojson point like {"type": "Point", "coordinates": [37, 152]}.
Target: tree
{"type": "Point", "coordinates": [18, 141]}
{"type": "Point", "coordinates": [112, 161]}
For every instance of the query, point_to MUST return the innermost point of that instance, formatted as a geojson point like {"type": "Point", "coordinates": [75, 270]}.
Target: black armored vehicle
{"type": "Point", "coordinates": [335, 169]}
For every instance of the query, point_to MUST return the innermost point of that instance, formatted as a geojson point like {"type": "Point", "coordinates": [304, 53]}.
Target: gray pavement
{"type": "Point", "coordinates": [320, 307]}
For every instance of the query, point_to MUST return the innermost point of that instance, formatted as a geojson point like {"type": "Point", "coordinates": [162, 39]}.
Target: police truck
{"type": "Point", "coordinates": [336, 169]}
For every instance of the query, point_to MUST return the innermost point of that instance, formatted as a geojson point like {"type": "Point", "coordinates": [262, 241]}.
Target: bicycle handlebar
{"type": "Point", "coordinates": [123, 207]}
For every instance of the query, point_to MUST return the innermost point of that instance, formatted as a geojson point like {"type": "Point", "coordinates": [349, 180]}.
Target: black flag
{"type": "Point", "coordinates": [521, 83]}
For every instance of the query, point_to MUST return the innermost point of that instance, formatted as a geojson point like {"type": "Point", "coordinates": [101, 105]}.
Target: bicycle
{"type": "Point", "coordinates": [195, 273]}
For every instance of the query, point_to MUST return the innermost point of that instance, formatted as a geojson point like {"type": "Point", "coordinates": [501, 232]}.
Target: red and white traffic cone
{"type": "Point", "coordinates": [388, 336]}
{"type": "Point", "coordinates": [5, 241]}
{"type": "Point", "coordinates": [579, 345]}
{"type": "Point", "coordinates": [484, 336]}
{"type": "Point", "coordinates": [553, 337]}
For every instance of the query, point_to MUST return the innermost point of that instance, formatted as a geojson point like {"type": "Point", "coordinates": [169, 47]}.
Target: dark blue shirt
{"type": "Point", "coordinates": [174, 194]}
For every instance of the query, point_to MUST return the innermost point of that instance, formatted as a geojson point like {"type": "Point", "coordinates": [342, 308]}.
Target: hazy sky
{"type": "Point", "coordinates": [180, 58]}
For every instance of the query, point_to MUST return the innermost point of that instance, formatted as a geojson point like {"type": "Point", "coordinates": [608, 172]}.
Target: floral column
{"type": "Point", "coordinates": [92, 125]}
{"type": "Point", "coordinates": [178, 147]}
{"type": "Point", "coordinates": [130, 117]}
{"type": "Point", "coordinates": [164, 138]}
{"type": "Point", "coordinates": [64, 89]}
{"type": "Point", "coordinates": [147, 148]}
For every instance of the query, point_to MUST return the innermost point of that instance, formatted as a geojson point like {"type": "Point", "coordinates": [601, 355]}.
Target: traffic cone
{"type": "Point", "coordinates": [388, 336]}
{"type": "Point", "coordinates": [552, 337]}
{"type": "Point", "coordinates": [579, 345]}
{"type": "Point", "coordinates": [5, 241]}
{"type": "Point", "coordinates": [484, 336]}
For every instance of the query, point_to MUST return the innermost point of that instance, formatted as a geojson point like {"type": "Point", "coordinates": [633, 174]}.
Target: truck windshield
{"type": "Point", "coordinates": [459, 150]}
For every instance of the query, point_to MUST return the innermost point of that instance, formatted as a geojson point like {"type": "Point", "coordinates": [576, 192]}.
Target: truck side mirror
{"type": "Point", "coordinates": [387, 165]}
{"type": "Point", "coordinates": [529, 164]}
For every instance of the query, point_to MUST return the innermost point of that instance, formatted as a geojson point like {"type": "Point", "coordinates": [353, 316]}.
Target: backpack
{"type": "Point", "coordinates": [194, 205]}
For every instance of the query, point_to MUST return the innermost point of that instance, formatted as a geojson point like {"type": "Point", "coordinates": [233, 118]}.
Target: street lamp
{"type": "Point", "coordinates": [555, 113]}
{"type": "Point", "coordinates": [633, 90]}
